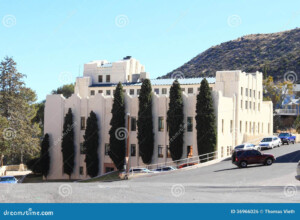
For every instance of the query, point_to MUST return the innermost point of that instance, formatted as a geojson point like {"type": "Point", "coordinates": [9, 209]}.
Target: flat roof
{"type": "Point", "coordinates": [160, 82]}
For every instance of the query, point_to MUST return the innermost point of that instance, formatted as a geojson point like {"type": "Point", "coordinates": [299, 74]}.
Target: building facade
{"type": "Point", "coordinates": [241, 113]}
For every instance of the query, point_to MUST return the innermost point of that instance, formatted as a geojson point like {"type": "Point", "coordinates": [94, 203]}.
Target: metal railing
{"type": "Point", "coordinates": [286, 111]}
{"type": "Point", "coordinates": [186, 162]}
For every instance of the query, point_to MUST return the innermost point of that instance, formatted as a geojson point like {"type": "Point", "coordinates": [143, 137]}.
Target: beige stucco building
{"type": "Point", "coordinates": [242, 115]}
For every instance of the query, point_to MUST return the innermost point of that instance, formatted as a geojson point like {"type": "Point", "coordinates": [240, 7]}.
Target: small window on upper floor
{"type": "Point", "coordinates": [160, 123]}
{"type": "Point", "coordinates": [107, 78]}
{"type": "Point", "coordinates": [131, 91]}
{"type": "Point", "coordinates": [100, 78]}
{"type": "Point", "coordinates": [183, 89]}
{"type": "Point", "coordinates": [156, 91]}
{"type": "Point", "coordinates": [189, 124]}
{"type": "Point", "coordinates": [107, 92]}
{"type": "Point", "coordinates": [82, 123]}
{"type": "Point", "coordinates": [100, 91]}
{"type": "Point", "coordinates": [133, 123]}
{"type": "Point", "coordinates": [246, 91]}
{"type": "Point", "coordinates": [242, 90]}
{"type": "Point", "coordinates": [250, 92]}
{"type": "Point", "coordinates": [138, 91]}
{"type": "Point", "coordinates": [164, 91]}
{"type": "Point", "coordinates": [92, 92]}
{"type": "Point", "coordinates": [258, 95]}
{"type": "Point", "coordinates": [254, 94]}
{"type": "Point", "coordinates": [190, 90]}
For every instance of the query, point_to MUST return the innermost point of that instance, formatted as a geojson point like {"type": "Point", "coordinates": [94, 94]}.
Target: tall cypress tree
{"type": "Point", "coordinates": [67, 145]}
{"type": "Point", "coordinates": [145, 123]}
{"type": "Point", "coordinates": [91, 144]}
{"type": "Point", "coordinates": [175, 118]}
{"type": "Point", "coordinates": [45, 157]}
{"type": "Point", "coordinates": [205, 120]}
{"type": "Point", "coordinates": [118, 132]}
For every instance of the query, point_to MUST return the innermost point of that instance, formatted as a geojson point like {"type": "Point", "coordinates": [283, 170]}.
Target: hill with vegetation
{"type": "Point", "coordinates": [273, 54]}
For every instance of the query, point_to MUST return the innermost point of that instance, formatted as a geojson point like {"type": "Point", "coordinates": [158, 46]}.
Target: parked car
{"type": "Point", "coordinates": [141, 170]}
{"type": "Point", "coordinates": [269, 142]}
{"type": "Point", "coordinates": [186, 165]}
{"type": "Point", "coordinates": [298, 171]}
{"type": "Point", "coordinates": [244, 157]}
{"type": "Point", "coordinates": [8, 179]}
{"type": "Point", "coordinates": [166, 168]}
{"type": "Point", "coordinates": [287, 138]}
{"type": "Point", "coordinates": [246, 146]}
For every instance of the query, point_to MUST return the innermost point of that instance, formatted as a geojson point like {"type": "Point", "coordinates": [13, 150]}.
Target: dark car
{"type": "Point", "coordinates": [244, 157]}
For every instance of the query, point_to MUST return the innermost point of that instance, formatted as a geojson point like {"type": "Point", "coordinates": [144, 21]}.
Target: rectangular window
{"type": "Point", "coordinates": [222, 125]}
{"type": "Point", "coordinates": [107, 92]}
{"type": "Point", "coordinates": [164, 91]}
{"type": "Point", "coordinates": [160, 123]}
{"type": "Point", "coordinates": [156, 91]}
{"type": "Point", "coordinates": [250, 105]}
{"type": "Point", "coordinates": [100, 91]}
{"type": "Point", "coordinates": [124, 90]}
{"type": "Point", "coordinates": [131, 91]}
{"type": "Point", "coordinates": [82, 150]}
{"type": "Point", "coordinates": [107, 78]}
{"type": "Point", "coordinates": [231, 126]}
{"type": "Point", "coordinates": [258, 95]}
{"type": "Point", "coordinates": [189, 124]}
{"type": "Point", "coordinates": [168, 151]}
{"type": "Point", "coordinates": [92, 92]}
{"type": "Point", "coordinates": [254, 93]}
{"type": "Point", "coordinates": [82, 123]}
{"type": "Point", "coordinates": [246, 104]}
{"type": "Point", "coordinates": [246, 92]}
{"type": "Point", "coordinates": [258, 127]}
{"type": "Point", "coordinates": [133, 150]}
{"type": "Point", "coordinates": [189, 151]}
{"type": "Point", "coordinates": [183, 89]}
{"type": "Point", "coordinates": [138, 91]}
{"type": "Point", "coordinates": [246, 127]}
{"type": "Point", "coordinates": [160, 151]}
{"type": "Point", "coordinates": [133, 123]}
{"type": "Point", "coordinates": [258, 106]}
{"type": "Point", "coordinates": [250, 92]}
{"type": "Point", "coordinates": [250, 127]}
{"type": "Point", "coordinates": [100, 78]}
{"type": "Point", "coordinates": [242, 90]}
{"type": "Point", "coordinates": [107, 149]}
{"type": "Point", "coordinates": [241, 126]}
{"type": "Point", "coordinates": [80, 170]}
{"type": "Point", "coordinates": [190, 90]}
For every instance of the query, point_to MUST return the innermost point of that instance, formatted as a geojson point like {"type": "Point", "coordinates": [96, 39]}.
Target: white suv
{"type": "Point", "coordinates": [270, 142]}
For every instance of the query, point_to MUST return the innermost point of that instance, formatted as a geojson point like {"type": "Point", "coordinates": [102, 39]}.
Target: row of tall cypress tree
{"type": "Point", "coordinates": [205, 126]}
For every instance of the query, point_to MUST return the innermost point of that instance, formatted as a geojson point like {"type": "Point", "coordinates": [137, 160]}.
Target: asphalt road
{"type": "Point", "coordinates": [220, 182]}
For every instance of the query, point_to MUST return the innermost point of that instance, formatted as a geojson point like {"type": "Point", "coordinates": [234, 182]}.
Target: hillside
{"type": "Point", "coordinates": [274, 54]}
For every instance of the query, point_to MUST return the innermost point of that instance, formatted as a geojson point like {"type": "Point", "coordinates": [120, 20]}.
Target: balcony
{"type": "Point", "coordinates": [286, 111]}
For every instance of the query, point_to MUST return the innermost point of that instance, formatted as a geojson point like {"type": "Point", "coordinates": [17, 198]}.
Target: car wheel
{"type": "Point", "coordinates": [293, 142]}
{"type": "Point", "coordinates": [243, 164]}
{"type": "Point", "coordinates": [278, 145]}
{"type": "Point", "coordinates": [269, 162]}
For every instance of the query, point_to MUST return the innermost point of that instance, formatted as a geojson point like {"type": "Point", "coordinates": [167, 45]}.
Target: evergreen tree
{"type": "Point", "coordinates": [17, 109]}
{"type": "Point", "coordinates": [91, 144]}
{"type": "Point", "coordinates": [68, 147]}
{"type": "Point", "coordinates": [175, 122]}
{"type": "Point", "coordinates": [118, 132]}
{"type": "Point", "coordinates": [205, 120]}
{"type": "Point", "coordinates": [45, 156]}
{"type": "Point", "coordinates": [145, 123]}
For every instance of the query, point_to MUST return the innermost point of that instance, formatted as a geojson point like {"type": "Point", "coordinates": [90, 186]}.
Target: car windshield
{"type": "Point", "coordinates": [7, 179]}
{"type": "Point", "coordinates": [266, 140]}
{"type": "Point", "coordinates": [283, 134]}
{"type": "Point", "coordinates": [239, 147]}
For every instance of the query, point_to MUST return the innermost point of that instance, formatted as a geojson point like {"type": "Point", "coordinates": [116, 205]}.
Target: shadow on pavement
{"type": "Point", "coordinates": [236, 168]}
{"type": "Point", "coordinates": [293, 157]}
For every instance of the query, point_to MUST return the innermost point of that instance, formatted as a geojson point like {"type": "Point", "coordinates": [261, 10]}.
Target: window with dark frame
{"type": "Point", "coordinates": [160, 151]}
{"type": "Point", "coordinates": [107, 78]}
{"type": "Point", "coordinates": [133, 123]}
{"type": "Point", "coordinates": [82, 123]}
{"type": "Point", "coordinates": [164, 91]}
{"type": "Point", "coordinates": [189, 124]}
{"type": "Point", "coordinates": [107, 149]}
{"type": "Point", "coordinates": [168, 151]}
{"type": "Point", "coordinates": [100, 78]}
{"type": "Point", "coordinates": [131, 91]}
{"type": "Point", "coordinates": [133, 150]}
{"type": "Point", "coordinates": [160, 123]}
{"type": "Point", "coordinates": [80, 170]}
{"type": "Point", "coordinates": [190, 90]}
{"type": "Point", "coordinates": [92, 92]}
{"type": "Point", "coordinates": [82, 150]}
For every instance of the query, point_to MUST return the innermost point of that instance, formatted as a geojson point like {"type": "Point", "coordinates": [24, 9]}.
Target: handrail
{"type": "Point", "coordinates": [177, 163]}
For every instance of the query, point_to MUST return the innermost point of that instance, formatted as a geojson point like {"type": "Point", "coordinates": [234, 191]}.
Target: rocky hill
{"type": "Point", "coordinates": [273, 54]}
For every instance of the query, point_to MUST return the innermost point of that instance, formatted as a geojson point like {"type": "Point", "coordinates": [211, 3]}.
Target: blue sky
{"type": "Point", "coordinates": [49, 39]}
